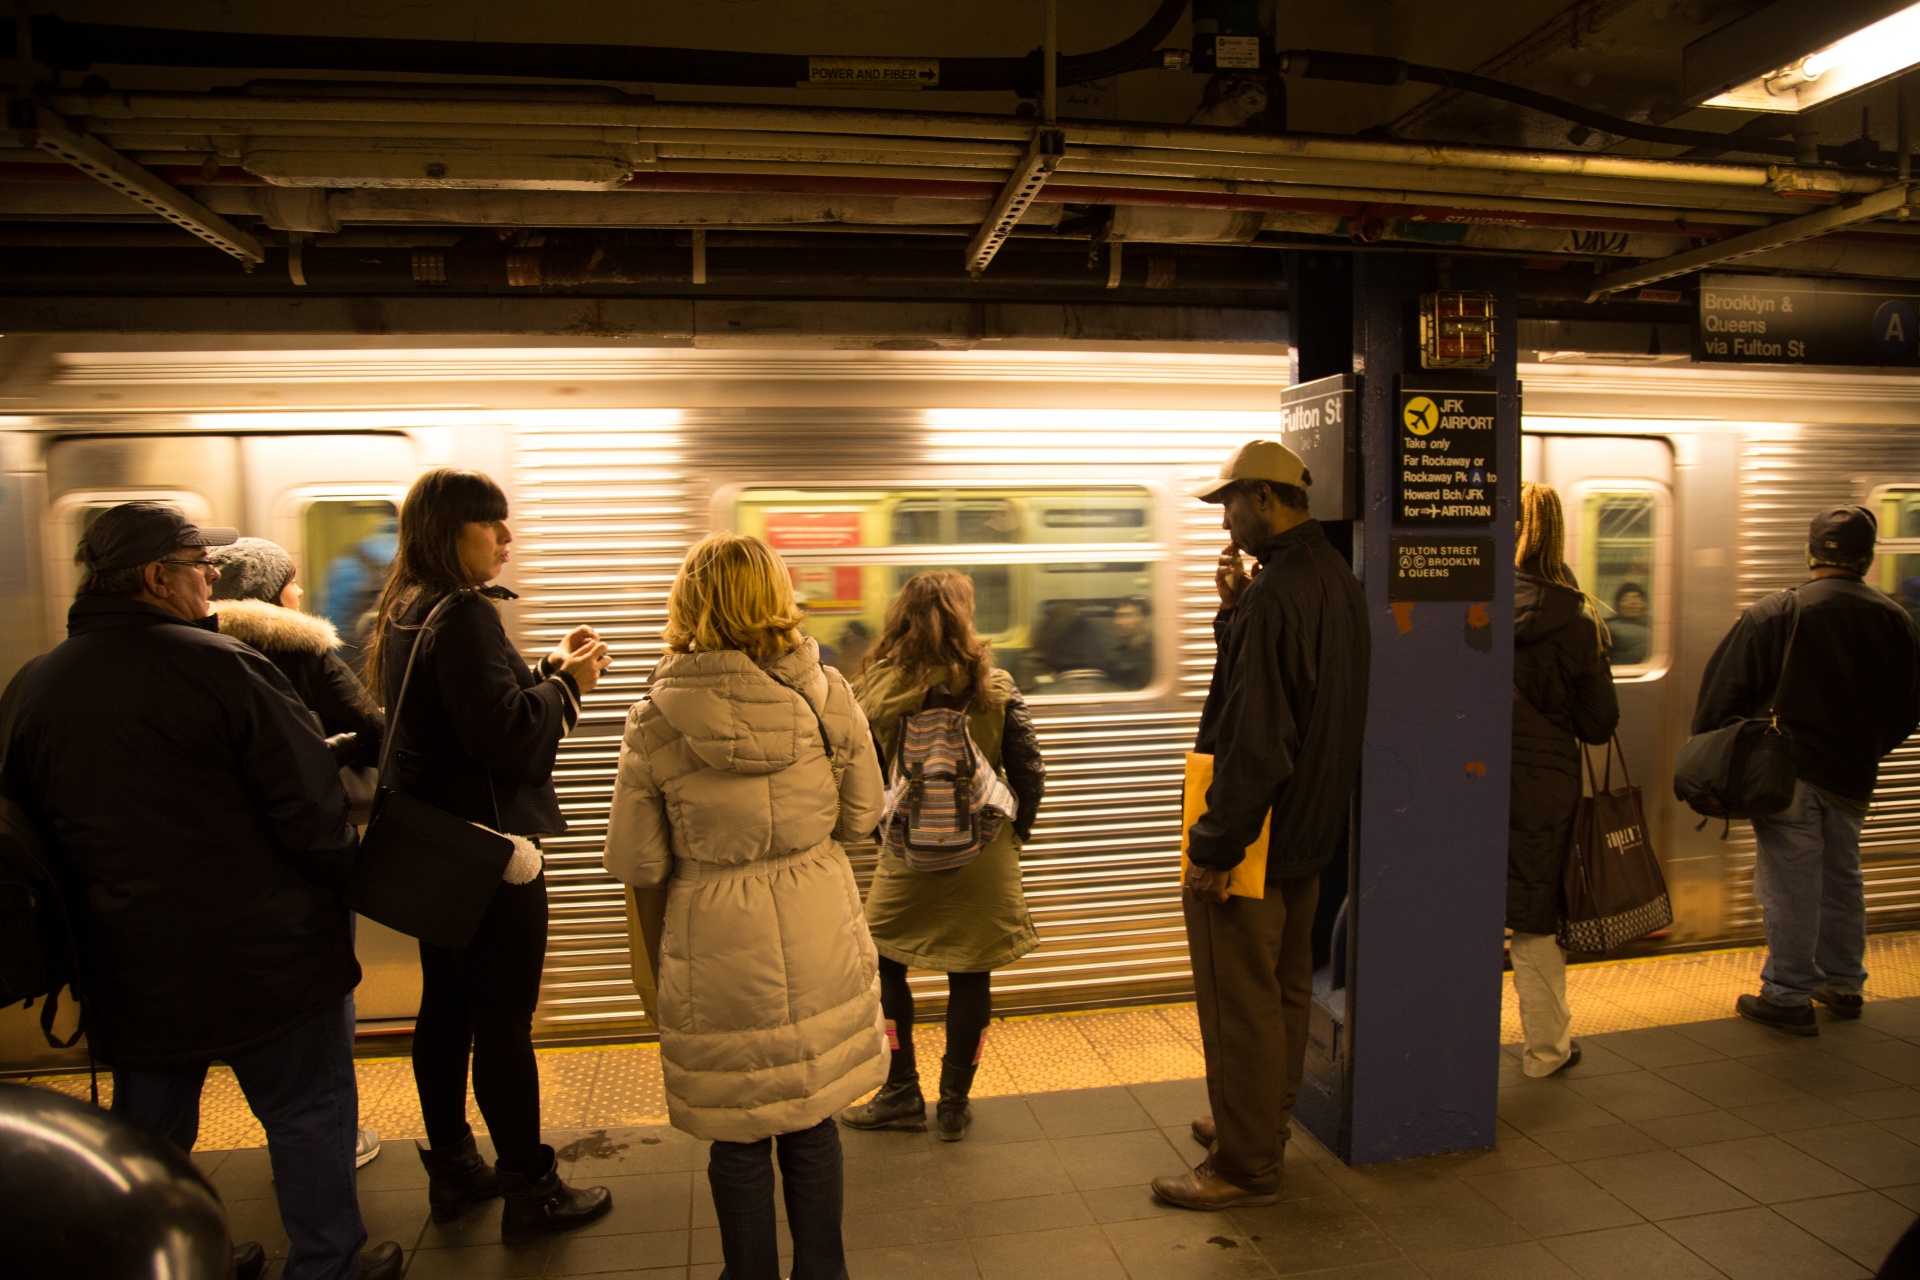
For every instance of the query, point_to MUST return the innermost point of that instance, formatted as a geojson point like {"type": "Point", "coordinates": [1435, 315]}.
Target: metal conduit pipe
{"type": "Point", "coordinates": [1365, 68]}
{"type": "Point", "coordinates": [78, 46]}
{"type": "Point", "coordinates": [215, 114]}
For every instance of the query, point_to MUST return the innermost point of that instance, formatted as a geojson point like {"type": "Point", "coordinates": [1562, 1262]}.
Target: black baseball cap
{"type": "Point", "coordinates": [1842, 536]}
{"type": "Point", "coordinates": [137, 533]}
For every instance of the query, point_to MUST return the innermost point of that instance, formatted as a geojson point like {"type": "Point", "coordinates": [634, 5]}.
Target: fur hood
{"type": "Point", "coordinates": [272, 629]}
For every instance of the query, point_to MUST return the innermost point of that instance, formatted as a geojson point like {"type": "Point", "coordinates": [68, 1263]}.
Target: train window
{"type": "Point", "coordinates": [348, 544]}
{"type": "Point", "coordinates": [1619, 566]}
{"type": "Point", "coordinates": [1896, 570]}
{"type": "Point", "coordinates": [1078, 624]}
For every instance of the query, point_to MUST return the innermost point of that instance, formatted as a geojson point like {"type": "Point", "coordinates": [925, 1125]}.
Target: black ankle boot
{"type": "Point", "coordinates": [955, 1113]}
{"type": "Point", "coordinates": [897, 1106]}
{"type": "Point", "coordinates": [457, 1179]}
{"type": "Point", "coordinates": [541, 1203]}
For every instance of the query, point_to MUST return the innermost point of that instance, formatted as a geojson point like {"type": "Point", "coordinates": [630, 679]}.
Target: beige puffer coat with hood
{"type": "Point", "coordinates": [769, 988]}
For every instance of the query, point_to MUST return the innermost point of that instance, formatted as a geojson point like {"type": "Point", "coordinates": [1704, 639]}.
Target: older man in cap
{"type": "Point", "coordinates": [196, 807]}
{"type": "Point", "coordinates": [1839, 663]}
{"type": "Point", "coordinates": [1283, 721]}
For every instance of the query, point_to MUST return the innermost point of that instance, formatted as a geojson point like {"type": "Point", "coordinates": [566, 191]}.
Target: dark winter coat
{"type": "Point", "coordinates": [1852, 695]}
{"type": "Point", "coordinates": [306, 649]}
{"type": "Point", "coordinates": [188, 790]}
{"type": "Point", "coordinates": [1562, 696]}
{"type": "Point", "coordinates": [480, 731]}
{"type": "Point", "coordinates": [1286, 710]}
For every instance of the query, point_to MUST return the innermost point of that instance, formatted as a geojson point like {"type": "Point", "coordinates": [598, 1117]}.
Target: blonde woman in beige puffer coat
{"type": "Point", "coordinates": [769, 990]}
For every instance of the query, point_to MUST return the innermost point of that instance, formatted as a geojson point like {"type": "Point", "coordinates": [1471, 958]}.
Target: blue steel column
{"type": "Point", "coordinates": [1405, 1059]}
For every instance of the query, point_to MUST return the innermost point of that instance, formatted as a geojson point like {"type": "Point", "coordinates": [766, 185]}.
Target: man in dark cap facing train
{"type": "Point", "coordinates": [195, 806]}
{"type": "Point", "coordinates": [1283, 723]}
{"type": "Point", "coordinates": [1840, 664]}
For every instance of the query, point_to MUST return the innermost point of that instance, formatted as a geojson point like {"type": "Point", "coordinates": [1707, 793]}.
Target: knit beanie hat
{"type": "Point", "coordinates": [251, 569]}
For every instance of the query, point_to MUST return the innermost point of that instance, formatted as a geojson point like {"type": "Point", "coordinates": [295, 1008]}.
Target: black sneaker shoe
{"type": "Point", "coordinates": [1842, 1004]}
{"type": "Point", "coordinates": [1573, 1059]}
{"type": "Point", "coordinates": [1794, 1019]}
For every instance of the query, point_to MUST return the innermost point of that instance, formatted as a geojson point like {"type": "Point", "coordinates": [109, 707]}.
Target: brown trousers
{"type": "Point", "coordinates": [1253, 979]}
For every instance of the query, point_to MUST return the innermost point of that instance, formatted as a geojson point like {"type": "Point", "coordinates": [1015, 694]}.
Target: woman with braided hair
{"type": "Point", "coordinates": [1562, 696]}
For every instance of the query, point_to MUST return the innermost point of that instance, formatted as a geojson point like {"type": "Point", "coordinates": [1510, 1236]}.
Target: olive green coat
{"type": "Point", "coordinates": [972, 918]}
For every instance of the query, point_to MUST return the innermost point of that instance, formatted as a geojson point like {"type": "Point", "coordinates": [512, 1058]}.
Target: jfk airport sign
{"type": "Point", "coordinates": [1784, 320]}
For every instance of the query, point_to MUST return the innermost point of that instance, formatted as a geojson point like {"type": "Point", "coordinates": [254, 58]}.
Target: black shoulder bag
{"type": "Point", "coordinates": [421, 870]}
{"type": "Point", "coordinates": [1743, 769]}
{"type": "Point", "coordinates": [1612, 890]}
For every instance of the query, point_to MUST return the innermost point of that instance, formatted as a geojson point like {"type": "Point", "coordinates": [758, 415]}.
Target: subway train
{"type": "Point", "coordinates": [1057, 479]}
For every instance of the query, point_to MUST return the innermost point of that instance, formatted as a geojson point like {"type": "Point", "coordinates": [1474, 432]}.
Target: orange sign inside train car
{"type": "Point", "coordinates": [826, 588]}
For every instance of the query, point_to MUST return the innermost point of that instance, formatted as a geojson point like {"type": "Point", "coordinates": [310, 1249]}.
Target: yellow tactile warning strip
{"type": "Point", "coordinates": [603, 1088]}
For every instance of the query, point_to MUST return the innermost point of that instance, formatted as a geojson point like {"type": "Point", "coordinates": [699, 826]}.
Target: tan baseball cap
{"type": "Point", "coordinates": [1267, 460]}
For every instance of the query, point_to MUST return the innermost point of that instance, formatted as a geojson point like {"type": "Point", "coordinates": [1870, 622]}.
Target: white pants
{"type": "Point", "coordinates": [1540, 980]}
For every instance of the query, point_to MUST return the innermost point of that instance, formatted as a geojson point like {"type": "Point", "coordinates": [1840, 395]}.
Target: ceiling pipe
{"type": "Point", "coordinates": [1362, 68]}
{"type": "Point", "coordinates": [80, 46]}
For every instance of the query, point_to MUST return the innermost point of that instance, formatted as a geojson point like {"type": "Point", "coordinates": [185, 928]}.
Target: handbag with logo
{"type": "Point", "coordinates": [421, 870]}
{"type": "Point", "coordinates": [1613, 890]}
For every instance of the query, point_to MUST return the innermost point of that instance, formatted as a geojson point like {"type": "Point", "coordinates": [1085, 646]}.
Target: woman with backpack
{"type": "Point", "coordinates": [740, 774]}
{"type": "Point", "coordinates": [477, 738]}
{"type": "Point", "coordinates": [968, 920]}
{"type": "Point", "coordinates": [1562, 696]}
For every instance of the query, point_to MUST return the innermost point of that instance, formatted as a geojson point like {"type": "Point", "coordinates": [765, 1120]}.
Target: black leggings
{"type": "Point", "coordinates": [479, 1001]}
{"type": "Point", "coordinates": [969, 1005]}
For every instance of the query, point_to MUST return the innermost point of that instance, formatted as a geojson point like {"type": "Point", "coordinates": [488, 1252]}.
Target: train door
{"type": "Point", "coordinates": [330, 499]}
{"type": "Point", "coordinates": [1617, 493]}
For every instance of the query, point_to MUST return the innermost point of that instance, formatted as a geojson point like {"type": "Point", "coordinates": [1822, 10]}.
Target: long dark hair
{"type": "Point", "coordinates": [929, 631]}
{"type": "Point", "coordinates": [427, 561]}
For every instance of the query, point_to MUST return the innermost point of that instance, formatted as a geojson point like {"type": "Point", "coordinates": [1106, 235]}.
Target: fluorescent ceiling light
{"type": "Point", "coordinates": [1808, 78]}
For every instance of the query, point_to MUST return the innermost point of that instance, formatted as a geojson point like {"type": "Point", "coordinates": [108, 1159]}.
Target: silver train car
{"type": "Point", "coordinates": [1056, 478]}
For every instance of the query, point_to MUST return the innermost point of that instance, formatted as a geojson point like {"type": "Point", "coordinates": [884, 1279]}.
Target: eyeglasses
{"type": "Point", "coordinates": [202, 565]}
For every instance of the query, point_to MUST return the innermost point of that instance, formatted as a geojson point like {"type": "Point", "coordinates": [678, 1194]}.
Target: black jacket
{"type": "Point", "coordinates": [1286, 710]}
{"type": "Point", "coordinates": [1562, 696]}
{"type": "Point", "coordinates": [480, 731]}
{"type": "Point", "coordinates": [189, 792]}
{"type": "Point", "coordinates": [306, 649]}
{"type": "Point", "coordinates": [1852, 695]}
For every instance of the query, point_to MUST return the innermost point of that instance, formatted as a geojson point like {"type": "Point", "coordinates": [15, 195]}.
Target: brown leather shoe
{"type": "Point", "coordinates": [1205, 1189]}
{"type": "Point", "coordinates": [1203, 1131]}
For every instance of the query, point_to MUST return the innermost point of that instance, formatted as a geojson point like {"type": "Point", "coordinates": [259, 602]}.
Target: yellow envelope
{"type": "Point", "coordinates": [646, 921]}
{"type": "Point", "coordinates": [1249, 879]}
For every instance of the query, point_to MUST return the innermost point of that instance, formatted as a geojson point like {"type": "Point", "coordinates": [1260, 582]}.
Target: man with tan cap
{"type": "Point", "coordinates": [1283, 722]}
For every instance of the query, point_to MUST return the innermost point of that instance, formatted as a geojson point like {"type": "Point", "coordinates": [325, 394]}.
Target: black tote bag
{"type": "Point", "coordinates": [1743, 769]}
{"type": "Point", "coordinates": [1613, 890]}
{"type": "Point", "coordinates": [423, 871]}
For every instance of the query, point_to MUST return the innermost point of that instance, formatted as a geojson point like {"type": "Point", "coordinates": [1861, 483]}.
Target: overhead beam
{"type": "Point", "coordinates": [1880, 204]}
{"type": "Point", "coordinates": [42, 128]}
{"type": "Point", "coordinates": [1043, 157]}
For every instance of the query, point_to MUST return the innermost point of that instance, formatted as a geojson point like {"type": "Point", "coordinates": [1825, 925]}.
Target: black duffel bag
{"type": "Point", "coordinates": [421, 870]}
{"type": "Point", "coordinates": [1743, 769]}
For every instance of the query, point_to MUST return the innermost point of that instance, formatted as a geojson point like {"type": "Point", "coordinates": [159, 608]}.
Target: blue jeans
{"type": "Point", "coordinates": [1807, 877]}
{"type": "Point", "coordinates": [741, 1175]}
{"type": "Point", "coordinates": [301, 1087]}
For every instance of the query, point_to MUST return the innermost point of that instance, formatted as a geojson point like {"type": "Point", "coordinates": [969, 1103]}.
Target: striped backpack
{"type": "Point", "coordinates": [944, 801]}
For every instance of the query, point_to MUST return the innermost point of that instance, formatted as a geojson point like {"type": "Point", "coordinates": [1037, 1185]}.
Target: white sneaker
{"type": "Point", "coordinates": [366, 1148]}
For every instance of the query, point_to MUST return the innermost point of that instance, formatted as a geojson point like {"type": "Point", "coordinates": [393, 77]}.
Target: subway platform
{"type": "Point", "coordinates": [1686, 1144]}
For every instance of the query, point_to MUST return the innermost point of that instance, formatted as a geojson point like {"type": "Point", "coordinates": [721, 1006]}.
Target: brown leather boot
{"type": "Point", "coordinates": [1204, 1189]}
{"type": "Point", "coordinates": [1203, 1131]}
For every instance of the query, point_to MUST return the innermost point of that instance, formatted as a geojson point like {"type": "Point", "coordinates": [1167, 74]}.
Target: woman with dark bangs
{"type": "Point", "coordinates": [477, 738]}
{"type": "Point", "coordinates": [973, 919]}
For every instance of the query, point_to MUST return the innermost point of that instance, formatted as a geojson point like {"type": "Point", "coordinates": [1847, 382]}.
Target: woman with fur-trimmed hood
{"type": "Point", "coordinates": [257, 600]}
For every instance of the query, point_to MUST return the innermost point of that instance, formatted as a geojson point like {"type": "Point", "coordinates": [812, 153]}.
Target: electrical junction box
{"type": "Point", "coordinates": [1456, 331]}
